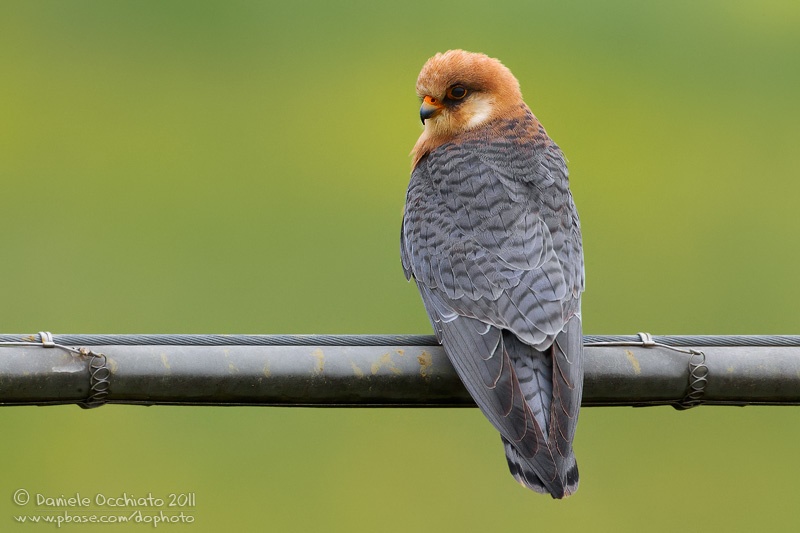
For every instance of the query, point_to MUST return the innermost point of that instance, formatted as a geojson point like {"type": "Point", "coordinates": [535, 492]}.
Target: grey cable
{"type": "Point", "coordinates": [376, 370]}
{"type": "Point", "coordinates": [375, 340]}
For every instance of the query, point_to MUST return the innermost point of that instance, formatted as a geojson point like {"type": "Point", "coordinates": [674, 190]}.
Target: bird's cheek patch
{"type": "Point", "coordinates": [480, 110]}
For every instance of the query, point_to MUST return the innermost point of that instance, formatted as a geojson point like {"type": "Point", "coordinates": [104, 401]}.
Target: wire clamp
{"type": "Point", "coordinates": [647, 340]}
{"type": "Point", "coordinates": [47, 339]}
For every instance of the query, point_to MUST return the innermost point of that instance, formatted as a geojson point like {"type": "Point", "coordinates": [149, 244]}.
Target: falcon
{"type": "Point", "coordinates": [492, 238]}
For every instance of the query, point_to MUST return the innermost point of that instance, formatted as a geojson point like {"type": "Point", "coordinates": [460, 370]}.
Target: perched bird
{"type": "Point", "coordinates": [492, 237]}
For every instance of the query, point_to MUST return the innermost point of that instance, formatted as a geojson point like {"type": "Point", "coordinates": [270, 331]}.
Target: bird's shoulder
{"type": "Point", "coordinates": [508, 168]}
{"type": "Point", "coordinates": [513, 150]}
{"type": "Point", "coordinates": [489, 218]}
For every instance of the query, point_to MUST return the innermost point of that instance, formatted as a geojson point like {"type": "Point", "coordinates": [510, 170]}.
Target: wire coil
{"type": "Point", "coordinates": [99, 384]}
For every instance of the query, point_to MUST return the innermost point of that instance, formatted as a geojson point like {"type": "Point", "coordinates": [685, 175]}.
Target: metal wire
{"type": "Point", "coordinates": [701, 340]}
{"type": "Point", "coordinates": [229, 340]}
{"type": "Point", "coordinates": [374, 340]}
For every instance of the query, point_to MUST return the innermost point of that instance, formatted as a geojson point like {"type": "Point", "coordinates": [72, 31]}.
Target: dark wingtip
{"type": "Point", "coordinates": [527, 477]}
{"type": "Point", "coordinates": [572, 480]}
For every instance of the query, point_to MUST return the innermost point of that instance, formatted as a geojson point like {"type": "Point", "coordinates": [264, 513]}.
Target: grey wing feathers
{"type": "Point", "coordinates": [492, 238]}
{"type": "Point", "coordinates": [551, 380]}
{"type": "Point", "coordinates": [499, 249]}
{"type": "Point", "coordinates": [489, 376]}
{"type": "Point", "coordinates": [567, 355]}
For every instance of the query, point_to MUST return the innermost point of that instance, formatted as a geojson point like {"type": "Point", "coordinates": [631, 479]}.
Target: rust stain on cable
{"type": "Point", "coordinates": [425, 363]}
{"type": "Point", "coordinates": [635, 362]}
{"type": "Point", "coordinates": [386, 360]}
{"type": "Point", "coordinates": [357, 371]}
{"type": "Point", "coordinates": [320, 364]}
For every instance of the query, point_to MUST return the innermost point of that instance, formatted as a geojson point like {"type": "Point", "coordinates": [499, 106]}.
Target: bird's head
{"type": "Point", "coordinates": [461, 91]}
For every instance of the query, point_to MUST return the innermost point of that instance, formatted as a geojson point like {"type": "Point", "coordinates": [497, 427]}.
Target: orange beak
{"type": "Point", "coordinates": [430, 106]}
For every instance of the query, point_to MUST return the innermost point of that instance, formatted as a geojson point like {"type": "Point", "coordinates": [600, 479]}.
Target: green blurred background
{"type": "Point", "coordinates": [240, 167]}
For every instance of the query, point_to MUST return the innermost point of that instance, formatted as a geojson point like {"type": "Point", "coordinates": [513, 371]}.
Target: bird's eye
{"type": "Point", "coordinates": [457, 92]}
